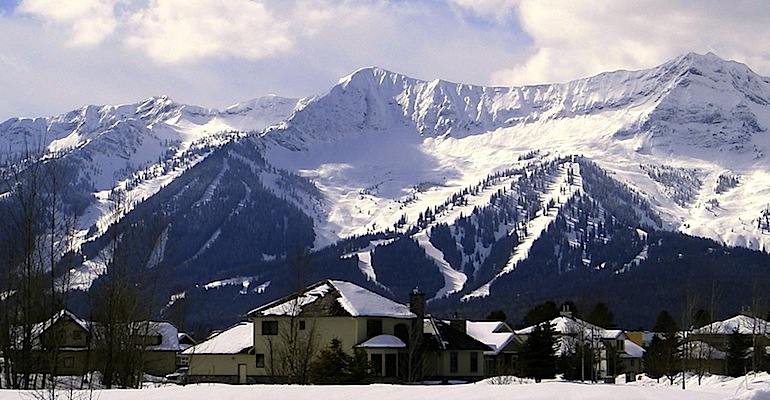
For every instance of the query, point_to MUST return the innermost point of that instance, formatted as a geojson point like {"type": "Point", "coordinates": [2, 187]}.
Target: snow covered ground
{"type": "Point", "coordinates": [715, 387]}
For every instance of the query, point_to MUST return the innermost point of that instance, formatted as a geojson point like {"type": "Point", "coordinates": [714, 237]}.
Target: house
{"type": "Point", "coordinates": [66, 344]}
{"type": "Point", "coordinates": [504, 345]}
{"type": "Point", "coordinates": [400, 341]}
{"type": "Point", "coordinates": [614, 352]}
{"type": "Point", "coordinates": [706, 347]}
{"type": "Point", "coordinates": [224, 357]}
{"type": "Point", "coordinates": [452, 354]}
{"type": "Point", "coordinates": [60, 345]}
{"type": "Point", "coordinates": [161, 340]}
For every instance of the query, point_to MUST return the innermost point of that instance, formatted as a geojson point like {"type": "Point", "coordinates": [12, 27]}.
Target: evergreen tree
{"type": "Point", "coordinates": [497, 315]}
{"type": "Point", "coordinates": [540, 353]}
{"type": "Point", "coordinates": [663, 355]}
{"type": "Point", "coordinates": [331, 366]}
{"type": "Point", "coordinates": [335, 366]}
{"type": "Point", "coordinates": [541, 313]}
{"type": "Point", "coordinates": [600, 315]}
{"type": "Point", "coordinates": [737, 357]}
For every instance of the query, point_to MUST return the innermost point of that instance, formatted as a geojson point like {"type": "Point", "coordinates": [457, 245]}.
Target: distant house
{"type": "Point", "coordinates": [392, 335]}
{"type": "Point", "coordinates": [65, 344]}
{"type": "Point", "coordinates": [162, 346]}
{"type": "Point", "coordinates": [616, 353]}
{"type": "Point", "coordinates": [452, 353]}
{"type": "Point", "coordinates": [225, 357]}
{"type": "Point", "coordinates": [61, 344]}
{"type": "Point", "coordinates": [505, 346]}
{"type": "Point", "coordinates": [709, 343]}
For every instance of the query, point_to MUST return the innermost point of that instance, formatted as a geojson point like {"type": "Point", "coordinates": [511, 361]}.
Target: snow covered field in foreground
{"type": "Point", "coordinates": [745, 388]}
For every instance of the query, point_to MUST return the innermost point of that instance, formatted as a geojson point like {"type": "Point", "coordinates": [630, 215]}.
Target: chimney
{"type": "Point", "coordinates": [417, 303]}
{"type": "Point", "coordinates": [458, 324]}
{"type": "Point", "coordinates": [417, 306]}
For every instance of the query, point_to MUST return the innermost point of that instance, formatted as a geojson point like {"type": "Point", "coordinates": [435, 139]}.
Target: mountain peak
{"type": "Point", "coordinates": [371, 72]}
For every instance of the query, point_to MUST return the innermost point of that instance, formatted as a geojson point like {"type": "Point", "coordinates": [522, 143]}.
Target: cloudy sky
{"type": "Point", "coordinates": [60, 55]}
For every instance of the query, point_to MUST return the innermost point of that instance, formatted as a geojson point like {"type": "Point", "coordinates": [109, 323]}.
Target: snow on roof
{"type": "Point", "coordinates": [383, 342]}
{"type": "Point", "coordinates": [362, 302]}
{"type": "Point", "coordinates": [573, 326]}
{"type": "Point", "coordinates": [631, 350]}
{"type": "Point", "coordinates": [744, 324]}
{"type": "Point", "coordinates": [63, 314]}
{"type": "Point", "coordinates": [169, 335]}
{"type": "Point", "coordinates": [233, 340]}
{"type": "Point", "coordinates": [355, 300]}
{"type": "Point", "coordinates": [702, 350]}
{"type": "Point", "coordinates": [495, 334]}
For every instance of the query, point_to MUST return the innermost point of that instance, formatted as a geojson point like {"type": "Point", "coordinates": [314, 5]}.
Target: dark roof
{"type": "Point", "coordinates": [442, 336]}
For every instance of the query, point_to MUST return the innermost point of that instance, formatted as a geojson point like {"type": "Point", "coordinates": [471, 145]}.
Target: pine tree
{"type": "Point", "coordinates": [540, 353]}
{"type": "Point", "coordinates": [331, 366]}
{"type": "Point", "coordinates": [334, 366]}
{"type": "Point", "coordinates": [737, 354]}
{"type": "Point", "coordinates": [663, 355]}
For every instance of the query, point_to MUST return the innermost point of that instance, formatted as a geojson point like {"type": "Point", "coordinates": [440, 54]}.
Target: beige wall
{"type": "Point", "coordinates": [439, 365]}
{"type": "Point", "coordinates": [159, 363]}
{"type": "Point", "coordinates": [222, 364]}
{"type": "Point", "coordinates": [65, 333]}
{"type": "Point", "coordinates": [349, 330]}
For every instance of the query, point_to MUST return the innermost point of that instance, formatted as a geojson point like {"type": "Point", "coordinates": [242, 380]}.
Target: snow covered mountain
{"type": "Point", "coordinates": [468, 192]}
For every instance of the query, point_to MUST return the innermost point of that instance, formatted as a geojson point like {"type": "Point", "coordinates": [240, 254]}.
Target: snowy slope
{"type": "Point", "coordinates": [137, 147]}
{"type": "Point", "coordinates": [376, 136]}
{"type": "Point", "coordinates": [384, 154]}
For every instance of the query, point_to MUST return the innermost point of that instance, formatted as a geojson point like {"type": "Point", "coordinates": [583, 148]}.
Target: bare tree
{"type": "Point", "coordinates": [292, 350]}
{"type": "Point", "coordinates": [36, 232]}
{"type": "Point", "coordinates": [124, 296]}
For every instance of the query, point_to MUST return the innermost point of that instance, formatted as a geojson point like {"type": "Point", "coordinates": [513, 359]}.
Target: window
{"type": "Point", "coordinates": [302, 325]}
{"type": "Point", "coordinates": [77, 335]}
{"type": "Point", "coordinates": [373, 328]}
{"type": "Point", "coordinates": [390, 364]}
{"type": "Point", "coordinates": [621, 345]}
{"type": "Point", "coordinates": [453, 362]}
{"type": "Point", "coordinates": [260, 361]}
{"type": "Point", "coordinates": [474, 362]}
{"type": "Point", "coordinates": [269, 328]}
{"type": "Point", "coordinates": [69, 362]}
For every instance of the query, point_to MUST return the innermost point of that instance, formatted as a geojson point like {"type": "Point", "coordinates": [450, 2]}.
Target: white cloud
{"type": "Point", "coordinates": [174, 31]}
{"type": "Point", "coordinates": [576, 39]}
{"type": "Point", "coordinates": [86, 22]}
{"type": "Point", "coordinates": [496, 10]}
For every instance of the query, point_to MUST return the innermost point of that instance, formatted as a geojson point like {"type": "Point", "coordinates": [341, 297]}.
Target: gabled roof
{"type": "Point", "coordinates": [495, 334]}
{"type": "Point", "coordinates": [169, 335]}
{"type": "Point", "coordinates": [62, 315]}
{"type": "Point", "coordinates": [236, 339]}
{"type": "Point", "coordinates": [744, 324]}
{"type": "Point", "coordinates": [572, 331]}
{"type": "Point", "coordinates": [331, 298]}
{"type": "Point", "coordinates": [631, 350]}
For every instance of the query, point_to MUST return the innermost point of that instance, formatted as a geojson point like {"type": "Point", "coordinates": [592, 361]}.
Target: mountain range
{"type": "Point", "coordinates": [641, 189]}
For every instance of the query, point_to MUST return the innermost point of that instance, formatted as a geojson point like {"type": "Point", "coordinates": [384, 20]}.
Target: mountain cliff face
{"type": "Point", "coordinates": [481, 196]}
